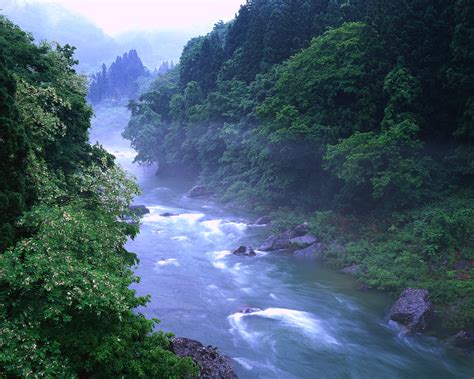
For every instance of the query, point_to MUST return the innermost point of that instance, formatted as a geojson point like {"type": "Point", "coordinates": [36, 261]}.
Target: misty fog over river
{"type": "Point", "coordinates": [314, 323]}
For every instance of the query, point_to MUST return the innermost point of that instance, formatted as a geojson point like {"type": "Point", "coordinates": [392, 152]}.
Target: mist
{"type": "Point", "coordinates": [103, 30]}
{"type": "Point", "coordinates": [286, 185]}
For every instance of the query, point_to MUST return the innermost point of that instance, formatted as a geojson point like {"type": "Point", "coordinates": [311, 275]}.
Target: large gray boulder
{"type": "Point", "coordinates": [301, 229]}
{"type": "Point", "coordinates": [211, 363]}
{"type": "Point", "coordinates": [282, 241]}
{"type": "Point", "coordinates": [463, 339]}
{"type": "Point", "coordinates": [303, 241]}
{"type": "Point", "coordinates": [200, 191]}
{"type": "Point", "coordinates": [246, 251]}
{"type": "Point", "coordinates": [264, 220]}
{"type": "Point", "coordinates": [276, 242]}
{"type": "Point", "coordinates": [413, 309]}
{"type": "Point", "coordinates": [313, 251]}
{"type": "Point", "coordinates": [138, 210]}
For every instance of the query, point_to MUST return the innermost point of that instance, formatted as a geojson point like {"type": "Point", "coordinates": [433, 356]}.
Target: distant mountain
{"type": "Point", "coordinates": [155, 46]}
{"type": "Point", "coordinates": [121, 81]}
{"type": "Point", "coordinates": [52, 22]}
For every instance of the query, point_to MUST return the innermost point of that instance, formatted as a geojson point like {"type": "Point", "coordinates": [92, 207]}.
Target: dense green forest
{"type": "Point", "coordinates": [120, 81]}
{"type": "Point", "coordinates": [66, 306]}
{"type": "Point", "coordinates": [355, 115]}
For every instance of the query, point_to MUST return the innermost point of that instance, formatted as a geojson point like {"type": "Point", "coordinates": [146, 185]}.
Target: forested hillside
{"type": "Point", "coordinates": [355, 115]}
{"type": "Point", "coordinates": [120, 81]}
{"type": "Point", "coordinates": [66, 307]}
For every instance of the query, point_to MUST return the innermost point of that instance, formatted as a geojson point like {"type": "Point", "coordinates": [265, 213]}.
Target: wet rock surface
{"type": "Point", "coordinates": [168, 214]}
{"type": "Point", "coordinates": [248, 310]}
{"type": "Point", "coordinates": [413, 309]}
{"type": "Point", "coordinates": [303, 241]}
{"type": "Point", "coordinates": [138, 210]}
{"type": "Point", "coordinates": [282, 241]}
{"type": "Point", "coordinates": [246, 251]}
{"type": "Point", "coordinates": [463, 339]}
{"type": "Point", "coordinates": [264, 220]}
{"type": "Point", "coordinates": [200, 191]}
{"type": "Point", "coordinates": [211, 363]}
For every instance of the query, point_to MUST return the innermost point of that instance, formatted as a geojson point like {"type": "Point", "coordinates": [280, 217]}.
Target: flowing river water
{"type": "Point", "coordinates": [314, 323]}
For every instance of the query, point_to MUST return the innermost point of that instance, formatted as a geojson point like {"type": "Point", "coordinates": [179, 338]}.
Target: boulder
{"type": "Point", "coordinates": [264, 220]}
{"type": "Point", "coordinates": [313, 251]}
{"type": "Point", "coordinates": [301, 229]}
{"type": "Point", "coordinates": [168, 214]}
{"type": "Point", "coordinates": [200, 191]}
{"type": "Point", "coordinates": [413, 309]}
{"type": "Point", "coordinates": [351, 270]}
{"type": "Point", "coordinates": [211, 363]}
{"type": "Point", "coordinates": [248, 310]}
{"type": "Point", "coordinates": [282, 241]}
{"type": "Point", "coordinates": [276, 242]}
{"type": "Point", "coordinates": [303, 241]}
{"type": "Point", "coordinates": [463, 339]}
{"type": "Point", "coordinates": [245, 251]}
{"type": "Point", "coordinates": [138, 210]}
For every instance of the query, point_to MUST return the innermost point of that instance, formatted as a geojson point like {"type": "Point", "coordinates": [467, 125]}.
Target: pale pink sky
{"type": "Point", "coordinates": [115, 16]}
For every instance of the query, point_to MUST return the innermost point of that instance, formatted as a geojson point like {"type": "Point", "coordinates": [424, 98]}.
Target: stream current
{"type": "Point", "coordinates": [314, 322]}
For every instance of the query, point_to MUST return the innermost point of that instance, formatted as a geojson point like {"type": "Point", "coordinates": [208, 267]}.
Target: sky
{"type": "Point", "coordinates": [116, 16]}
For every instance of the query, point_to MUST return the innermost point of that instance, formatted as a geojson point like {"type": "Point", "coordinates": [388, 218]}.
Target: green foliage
{"type": "Point", "coordinates": [121, 80]}
{"type": "Point", "coordinates": [389, 165]}
{"type": "Point", "coordinates": [70, 284]}
{"type": "Point", "coordinates": [319, 93]}
{"type": "Point", "coordinates": [66, 306]}
{"type": "Point", "coordinates": [430, 247]}
{"type": "Point", "coordinates": [12, 160]}
{"type": "Point", "coordinates": [347, 113]}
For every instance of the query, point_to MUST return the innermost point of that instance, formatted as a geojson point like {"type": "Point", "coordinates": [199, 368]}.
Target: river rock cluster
{"type": "Point", "coordinates": [211, 363]}
{"type": "Point", "coordinates": [297, 240]}
{"type": "Point", "coordinates": [138, 210]}
{"type": "Point", "coordinates": [246, 251]}
{"type": "Point", "coordinates": [413, 309]}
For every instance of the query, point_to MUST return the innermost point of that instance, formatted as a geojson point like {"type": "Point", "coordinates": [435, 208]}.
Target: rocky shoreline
{"type": "Point", "coordinates": [413, 309]}
{"type": "Point", "coordinates": [211, 363]}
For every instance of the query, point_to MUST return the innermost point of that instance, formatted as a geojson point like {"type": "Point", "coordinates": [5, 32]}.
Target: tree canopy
{"type": "Point", "coordinates": [66, 306]}
{"type": "Point", "coordinates": [361, 108]}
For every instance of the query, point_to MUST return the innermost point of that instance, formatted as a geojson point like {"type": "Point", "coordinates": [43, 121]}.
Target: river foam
{"type": "Point", "coordinates": [167, 262]}
{"type": "Point", "coordinates": [303, 321]}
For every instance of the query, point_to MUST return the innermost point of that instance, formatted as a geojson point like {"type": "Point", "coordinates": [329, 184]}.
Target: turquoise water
{"type": "Point", "coordinates": [314, 323]}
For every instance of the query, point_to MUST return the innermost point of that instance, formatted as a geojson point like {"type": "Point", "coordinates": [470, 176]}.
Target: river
{"type": "Point", "coordinates": [314, 322]}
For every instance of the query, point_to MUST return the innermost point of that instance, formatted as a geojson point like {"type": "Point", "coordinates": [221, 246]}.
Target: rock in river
{"type": "Point", "coordinates": [264, 220]}
{"type": "Point", "coordinates": [248, 310]}
{"type": "Point", "coordinates": [168, 214]}
{"type": "Point", "coordinates": [200, 191]}
{"type": "Point", "coordinates": [245, 251]}
{"type": "Point", "coordinates": [139, 210]}
{"type": "Point", "coordinates": [413, 309]}
{"type": "Point", "coordinates": [211, 363]}
{"type": "Point", "coordinates": [463, 339]}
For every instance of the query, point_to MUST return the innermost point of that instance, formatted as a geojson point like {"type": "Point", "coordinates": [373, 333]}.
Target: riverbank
{"type": "Point", "coordinates": [428, 247]}
{"type": "Point", "coordinates": [313, 322]}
